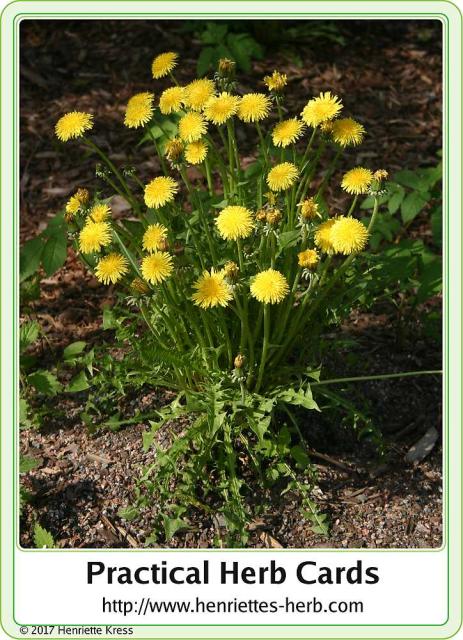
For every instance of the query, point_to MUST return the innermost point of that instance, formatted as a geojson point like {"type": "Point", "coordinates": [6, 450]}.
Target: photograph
{"type": "Point", "coordinates": [230, 280]}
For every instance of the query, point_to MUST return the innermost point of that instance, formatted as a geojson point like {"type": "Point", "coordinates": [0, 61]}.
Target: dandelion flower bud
{"type": "Point", "coordinates": [273, 217]}
{"type": "Point", "coordinates": [231, 271]}
{"type": "Point", "coordinates": [227, 67]}
{"type": "Point", "coordinates": [380, 174]}
{"type": "Point", "coordinates": [261, 215]}
{"type": "Point", "coordinates": [239, 361]}
{"type": "Point", "coordinates": [139, 286]}
{"type": "Point", "coordinates": [309, 209]}
{"type": "Point", "coordinates": [174, 150]}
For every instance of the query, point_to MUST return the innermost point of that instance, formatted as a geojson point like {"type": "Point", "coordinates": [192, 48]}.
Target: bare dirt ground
{"type": "Point", "coordinates": [390, 78]}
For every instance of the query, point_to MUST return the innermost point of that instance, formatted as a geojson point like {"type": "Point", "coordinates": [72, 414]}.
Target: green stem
{"type": "Point", "coordinates": [208, 177]}
{"type": "Point", "coordinates": [262, 144]}
{"type": "Point", "coordinates": [114, 170]}
{"type": "Point", "coordinates": [158, 151]}
{"type": "Point", "coordinates": [352, 206]}
{"type": "Point", "coordinates": [264, 347]}
{"type": "Point", "coordinates": [384, 376]}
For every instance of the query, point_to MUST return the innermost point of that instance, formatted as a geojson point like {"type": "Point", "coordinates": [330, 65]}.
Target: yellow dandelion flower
{"type": "Point", "coordinates": [73, 125]}
{"type": "Point", "coordinates": [163, 64]}
{"type": "Point", "coordinates": [347, 132]}
{"type": "Point", "coordinates": [212, 290]}
{"type": "Point", "coordinates": [93, 236]}
{"type": "Point", "coordinates": [269, 287]}
{"type": "Point", "coordinates": [221, 108]}
{"type": "Point", "coordinates": [254, 107]}
{"type": "Point", "coordinates": [154, 237]}
{"type": "Point", "coordinates": [321, 109]}
{"type": "Point", "coordinates": [282, 176]}
{"type": "Point", "coordinates": [348, 235]}
{"type": "Point", "coordinates": [322, 236]}
{"type": "Point", "coordinates": [171, 100]}
{"type": "Point", "coordinates": [192, 127]}
{"type": "Point", "coordinates": [380, 174]}
{"type": "Point", "coordinates": [309, 209]}
{"type": "Point", "coordinates": [276, 82]}
{"type": "Point", "coordinates": [356, 181]}
{"type": "Point", "coordinates": [99, 212]}
{"type": "Point", "coordinates": [234, 222]}
{"type": "Point", "coordinates": [111, 268]}
{"type": "Point", "coordinates": [287, 132]}
{"type": "Point", "coordinates": [160, 191]}
{"type": "Point", "coordinates": [139, 110]}
{"type": "Point", "coordinates": [198, 92]}
{"type": "Point", "coordinates": [173, 149]}
{"type": "Point", "coordinates": [77, 201]}
{"type": "Point", "coordinates": [157, 267]}
{"type": "Point", "coordinates": [308, 259]}
{"type": "Point", "coordinates": [196, 152]}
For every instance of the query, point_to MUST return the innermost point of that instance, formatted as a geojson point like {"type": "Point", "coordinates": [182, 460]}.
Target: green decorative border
{"type": "Point", "coordinates": [12, 22]}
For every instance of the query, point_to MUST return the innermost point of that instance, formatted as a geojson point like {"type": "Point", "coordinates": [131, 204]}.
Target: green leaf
{"type": "Point", "coordinates": [396, 200]}
{"type": "Point", "coordinates": [109, 319]}
{"type": "Point", "coordinates": [299, 397]}
{"type": "Point", "coordinates": [23, 410]}
{"type": "Point", "coordinates": [72, 350]}
{"type": "Point", "coordinates": [128, 513]}
{"type": "Point", "coordinates": [172, 525]}
{"type": "Point", "coordinates": [205, 60]}
{"type": "Point", "coordinates": [28, 334]}
{"type": "Point", "coordinates": [436, 224]}
{"type": "Point", "coordinates": [78, 383]}
{"type": "Point", "coordinates": [421, 179]}
{"type": "Point", "coordinates": [288, 239]}
{"type": "Point", "coordinates": [412, 205]}
{"type": "Point", "coordinates": [300, 456]}
{"type": "Point", "coordinates": [26, 464]}
{"type": "Point", "coordinates": [29, 257]}
{"type": "Point", "coordinates": [260, 427]}
{"type": "Point", "coordinates": [45, 382]}
{"type": "Point", "coordinates": [54, 252]}
{"type": "Point", "coordinates": [42, 538]}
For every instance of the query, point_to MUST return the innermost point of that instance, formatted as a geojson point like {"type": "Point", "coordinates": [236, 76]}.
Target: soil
{"type": "Point", "coordinates": [389, 75]}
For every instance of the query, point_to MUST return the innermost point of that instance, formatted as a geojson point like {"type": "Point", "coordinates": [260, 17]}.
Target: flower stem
{"type": "Point", "coordinates": [382, 376]}
{"type": "Point", "coordinates": [264, 347]}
